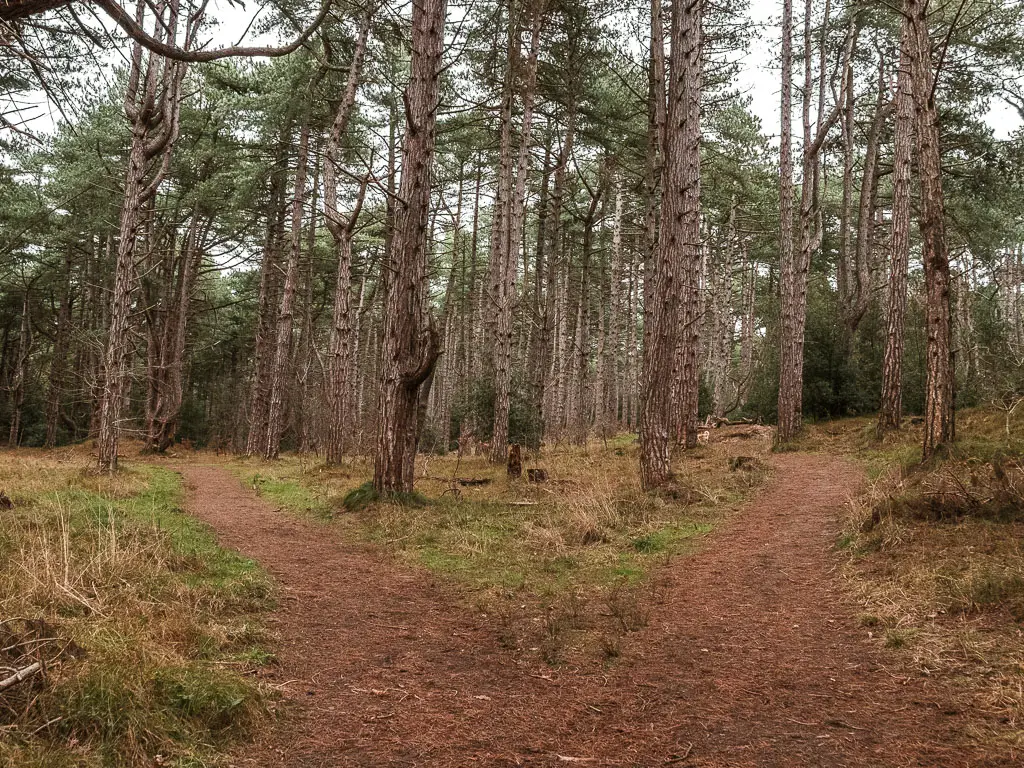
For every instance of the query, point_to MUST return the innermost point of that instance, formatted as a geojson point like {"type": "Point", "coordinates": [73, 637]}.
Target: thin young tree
{"type": "Point", "coordinates": [507, 225]}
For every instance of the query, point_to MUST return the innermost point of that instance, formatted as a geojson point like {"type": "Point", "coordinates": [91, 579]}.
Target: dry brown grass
{"type": "Point", "coordinates": [142, 624]}
{"type": "Point", "coordinates": [936, 560]}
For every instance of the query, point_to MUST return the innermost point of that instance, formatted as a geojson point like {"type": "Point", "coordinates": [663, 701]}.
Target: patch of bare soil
{"type": "Point", "coordinates": [753, 657]}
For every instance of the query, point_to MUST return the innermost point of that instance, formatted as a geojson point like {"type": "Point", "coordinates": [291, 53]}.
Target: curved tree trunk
{"type": "Point", "coordinates": [151, 104]}
{"type": "Point", "coordinates": [409, 345]}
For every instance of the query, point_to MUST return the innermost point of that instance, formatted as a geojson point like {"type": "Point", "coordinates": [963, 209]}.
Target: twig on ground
{"type": "Point", "coordinates": [20, 676]}
{"type": "Point", "coordinates": [679, 758]}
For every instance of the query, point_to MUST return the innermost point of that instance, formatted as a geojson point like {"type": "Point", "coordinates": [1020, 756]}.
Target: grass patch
{"type": "Point", "coordinates": [541, 560]}
{"type": "Point", "coordinates": [935, 557]}
{"type": "Point", "coordinates": [143, 623]}
{"type": "Point", "coordinates": [286, 492]}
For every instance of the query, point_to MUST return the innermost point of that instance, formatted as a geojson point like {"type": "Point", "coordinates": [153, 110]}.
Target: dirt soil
{"type": "Point", "coordinates": [753, 657]}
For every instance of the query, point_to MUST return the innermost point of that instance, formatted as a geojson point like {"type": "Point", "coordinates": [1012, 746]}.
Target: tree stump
{"type": "Point", "coordinates": [515, 461]}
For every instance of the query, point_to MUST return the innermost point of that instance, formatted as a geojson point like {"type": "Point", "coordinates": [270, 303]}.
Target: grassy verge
{"type": "Point", "coordinates": [936, 560]}
{"type": "Point", "coordinates": [560, 567]}
{"type": "Point", "coordinates": [146, 630]}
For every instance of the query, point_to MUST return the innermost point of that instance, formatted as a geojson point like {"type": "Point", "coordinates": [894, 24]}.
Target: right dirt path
{"type": "Point", "coordinates": [753, 656]}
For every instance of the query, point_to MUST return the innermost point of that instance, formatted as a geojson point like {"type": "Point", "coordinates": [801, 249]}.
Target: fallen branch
{"type": "Point", "coordinates": [20, 676]}
{"type": "Point", "coordinates": [464, 481]}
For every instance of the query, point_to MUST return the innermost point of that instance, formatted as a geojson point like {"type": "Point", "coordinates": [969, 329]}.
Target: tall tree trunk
{"type": "Point", "coordinates": [579, 413]}
{"type": "Point", "coordinates": [341, 229]}
{"type": "Point", "coordinates": [721, 321]}
{"type": "Point", "coordinates": [509, 237]}
{"type": "Point", "coordinates": [607, 386]}
{"type": "Point", "coordinates": [789, 400]}
{"type": "Point", "coordinates": [747, 327]}
{"type": "Point", "coordinates": [555, 297]}
{"type": "Point", "coordinates": [541, 335]}
{"type": "Point", "coordinates": [687, 123]}
{"type": "Point", "coordinates": [307, 428]}
{"type": "Point", "coordinates": [654, 170]}
{"type": "Point", "coordinates": [678, 258]}
{"type": "Point", "coordinates": [286, 313]}
{"type": "Point", "coordinates": [269, 300]}
{"type": "Point", "coordinates": [890, 413]}
{"type": "Point", "coordinates": [20, 373]}
{"type": "Point", "coordinates": [59, 362]}
{"type": "Point", "coordinates": [409, 344]}
{"type": "Point", "coordinates": [795, 267]}
{"type": "Point", "coordinates": [471, 297]}
{"type": "Point", "coordinates": [165, 376]}
{"type": "Point", "coordinates": [939, 417]}
{"type": "Point", "coordinates": [152, 106]}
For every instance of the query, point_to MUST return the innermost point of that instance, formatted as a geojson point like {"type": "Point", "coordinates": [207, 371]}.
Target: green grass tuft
{"type": "Point", "coordinates": [143, 605]}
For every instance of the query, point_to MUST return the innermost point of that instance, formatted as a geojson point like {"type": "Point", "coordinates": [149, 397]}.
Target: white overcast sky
{"type": "Point", "coordinates": [759, 76]}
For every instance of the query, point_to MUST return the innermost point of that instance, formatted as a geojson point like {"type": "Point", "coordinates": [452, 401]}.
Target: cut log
{"type": "Point", "coordinates": [515, 461]}
{"type": "Point", "coordinates": [537, 475]}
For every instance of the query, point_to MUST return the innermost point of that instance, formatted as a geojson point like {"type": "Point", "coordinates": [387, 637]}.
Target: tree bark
{"type": "Point", "coordinates": [152, 105]}
{"type": "Point", "coordinates": [890, 412]}
{"type": "Point", "coordinates": [939, 417]}
{"type": "Point", "coordinates": [409, 345]}
{"type": "Point", "coordinates": [286, 313]}
{"type": "Point", "coordinates": [341, 229]}
{"type": "Point", "coordinates": [59, 362]}
{"type": "Point", "coordinates": [789, 400]}
{"type": "Point", "coordinates": [678, 258]}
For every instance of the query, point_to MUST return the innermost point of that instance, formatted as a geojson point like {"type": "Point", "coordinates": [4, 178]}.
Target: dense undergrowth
{"type": "Point", "coordinates": [144, 628]}
{"type": "Point", "coordinates": [559, 567]}
{"type": "Point", "coordinates": [936, 559]}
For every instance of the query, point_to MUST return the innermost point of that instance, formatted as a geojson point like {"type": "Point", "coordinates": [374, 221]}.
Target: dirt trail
{"type": "Point", "coordinates": [752, 659]}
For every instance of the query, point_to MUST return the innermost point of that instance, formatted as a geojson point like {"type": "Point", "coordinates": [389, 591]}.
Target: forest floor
{"type": "Point", "coordinates": [748, 651]}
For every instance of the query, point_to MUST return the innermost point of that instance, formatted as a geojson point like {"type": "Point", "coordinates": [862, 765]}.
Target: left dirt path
{"type": "Point", "coordinates": [384, 665]}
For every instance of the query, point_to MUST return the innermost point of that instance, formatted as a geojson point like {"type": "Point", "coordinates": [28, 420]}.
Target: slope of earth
{"type": "Point", "coordinates": [753, 657]}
